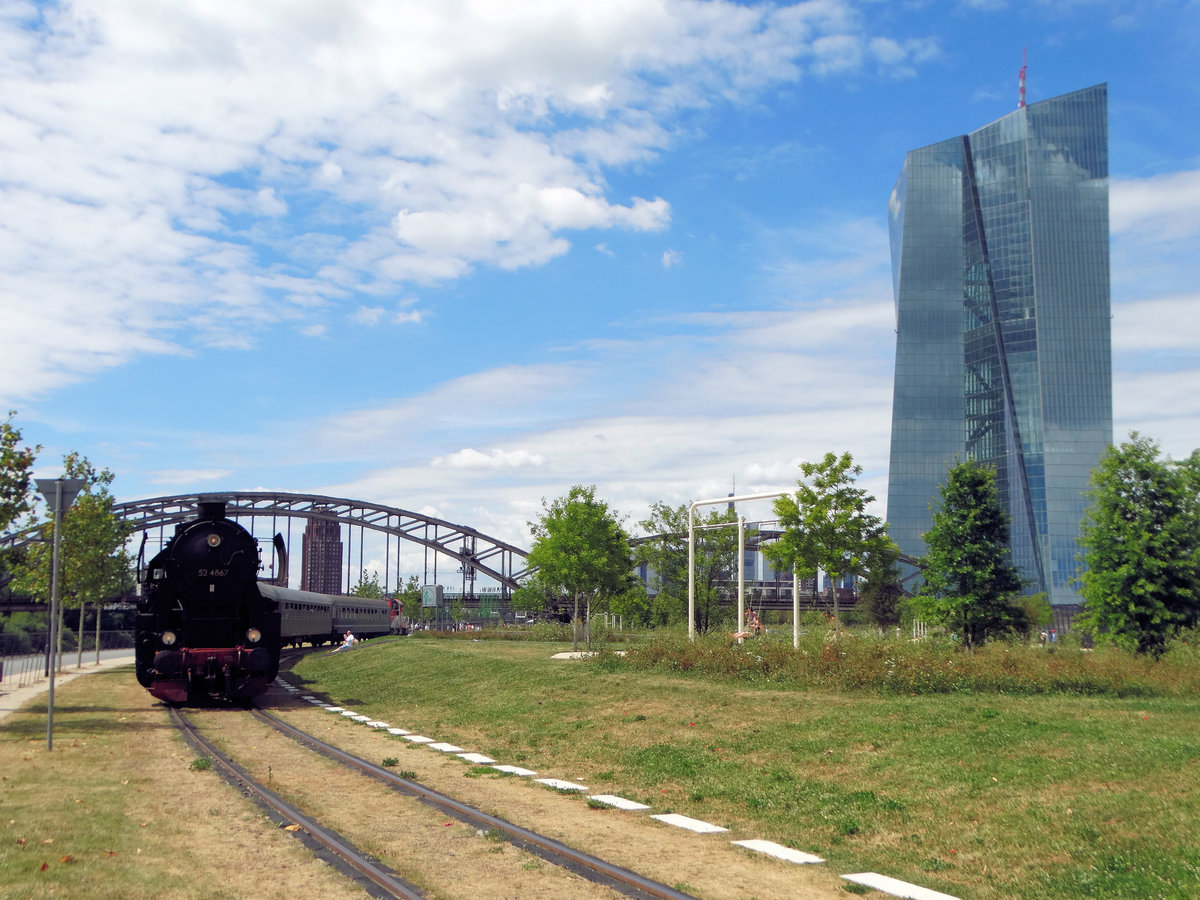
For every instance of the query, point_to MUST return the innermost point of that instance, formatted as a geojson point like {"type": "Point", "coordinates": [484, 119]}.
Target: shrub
{"type": "Point", "coordinates": [935, 666]}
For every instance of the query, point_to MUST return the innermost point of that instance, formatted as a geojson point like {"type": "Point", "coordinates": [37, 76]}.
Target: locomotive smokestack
{"type": "Point", "coordinates": [212, 509]}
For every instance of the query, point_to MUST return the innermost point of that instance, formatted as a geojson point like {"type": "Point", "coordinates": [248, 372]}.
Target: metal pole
{"type": "Point", "coordinates": [53, 614]}
{"type": "Point", "coordinates": [741, 622]}
{"type": "Point", "coordinates": [692, 572]}
{"type": "Point", "coordinates": [795, 610]}
{"type": "Point", "coordinates": [62, 492]}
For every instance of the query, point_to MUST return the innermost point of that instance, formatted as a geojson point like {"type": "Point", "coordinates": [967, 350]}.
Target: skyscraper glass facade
{"type": "Point", "coordinates": [1003, 349]}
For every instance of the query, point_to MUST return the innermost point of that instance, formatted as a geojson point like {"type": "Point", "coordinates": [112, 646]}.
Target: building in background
{"type": "Point", "coordinates": [321, 558]}
{"type": "Point", "coordinates": [1003, 352]}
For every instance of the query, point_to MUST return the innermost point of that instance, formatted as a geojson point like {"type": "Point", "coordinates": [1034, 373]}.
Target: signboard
{"type": "Point", "coordinates": [431, 595]}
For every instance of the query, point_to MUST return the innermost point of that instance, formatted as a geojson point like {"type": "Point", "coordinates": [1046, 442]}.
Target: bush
{"type": "Point", "coordinates": [873, 663]}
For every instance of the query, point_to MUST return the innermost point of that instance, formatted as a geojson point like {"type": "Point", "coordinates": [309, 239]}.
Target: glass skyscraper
{"type": "Point", "coordinates": [1003, 347]}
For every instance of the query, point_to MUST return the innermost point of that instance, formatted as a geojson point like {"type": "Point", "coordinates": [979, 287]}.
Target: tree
{"type": "Point", "coordinates": [95, 565]}
{"type": "Point", "coordinates": [410, 596]}
{"type": "Point", "coordinates": [881, 592]}
{"type": "Point", "coordinates": [826, 525]}
{"type": "Point", "coordinates": [969, 583]}
{"type": "Point", "coordinates": [368, 587]}
{"type": "Point", "coordinates": [665, 556]}
{"type": "Point", "coordinates": [580, 553]}
{"type": "Point", "coordinates": [1141, 546]}
{"type": "Point", "coordinates": [16, 467]}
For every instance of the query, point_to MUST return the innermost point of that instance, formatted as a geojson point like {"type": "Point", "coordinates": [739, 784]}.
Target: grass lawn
{"type": "Point", "coordinates": [973, 794]}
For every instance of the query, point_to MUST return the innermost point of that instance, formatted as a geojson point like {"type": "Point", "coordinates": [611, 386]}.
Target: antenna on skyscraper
{"type": "Point", "coordinates": [1021, 83]}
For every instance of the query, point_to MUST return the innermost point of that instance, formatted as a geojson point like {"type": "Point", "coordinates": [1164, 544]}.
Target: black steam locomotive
{"type": "Point", "coordinates": [207, 628]}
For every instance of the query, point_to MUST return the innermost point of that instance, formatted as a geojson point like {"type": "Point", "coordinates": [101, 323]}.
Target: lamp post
{"type": "Point", "coordinates": [60, 493]}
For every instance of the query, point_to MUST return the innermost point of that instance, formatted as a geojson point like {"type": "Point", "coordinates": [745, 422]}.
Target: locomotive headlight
{"type": "Point", "coordinates": [214, 540]}
{"type": "Point", "coordinates": [253, 635]}
{"type": "Point", "coordinates": [168, 638]}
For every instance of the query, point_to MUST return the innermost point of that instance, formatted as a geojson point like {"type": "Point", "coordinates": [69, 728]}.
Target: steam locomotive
{"type": "Point", "coordinates": [208, 628]}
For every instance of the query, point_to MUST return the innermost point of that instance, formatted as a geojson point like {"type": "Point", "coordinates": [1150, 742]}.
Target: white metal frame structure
{"type": "Point", "coordinates": [741, 560]}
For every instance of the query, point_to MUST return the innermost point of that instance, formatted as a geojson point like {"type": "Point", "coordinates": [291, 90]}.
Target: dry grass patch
{"type": "Point", "coordinates": [114, 811]}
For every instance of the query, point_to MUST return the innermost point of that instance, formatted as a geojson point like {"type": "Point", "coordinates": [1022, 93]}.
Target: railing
{"type": "Point", "coordinates": [23, 654]}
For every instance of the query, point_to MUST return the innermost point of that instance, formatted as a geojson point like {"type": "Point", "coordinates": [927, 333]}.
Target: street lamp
{"type": "Point", "coordinates": [60, 493]}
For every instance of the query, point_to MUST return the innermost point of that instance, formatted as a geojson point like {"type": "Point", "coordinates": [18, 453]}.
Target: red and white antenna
{"type": "Point", "coordinates": [1021, 83]}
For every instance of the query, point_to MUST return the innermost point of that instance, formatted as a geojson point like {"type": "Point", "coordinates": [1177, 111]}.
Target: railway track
{"type": "Point", "coordinates": [377, 878]}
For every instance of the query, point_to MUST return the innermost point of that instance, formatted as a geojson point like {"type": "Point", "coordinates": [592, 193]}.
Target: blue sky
{"type": "Point", "coordinates": [456, 257]}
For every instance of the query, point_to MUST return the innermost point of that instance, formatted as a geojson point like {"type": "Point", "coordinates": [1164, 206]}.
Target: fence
{"type": "Point", "coordinates": [23, 654]}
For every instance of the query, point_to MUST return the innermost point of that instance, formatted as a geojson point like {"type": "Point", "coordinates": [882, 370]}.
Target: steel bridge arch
{"type": "Point", "coordinates": [485, 555]}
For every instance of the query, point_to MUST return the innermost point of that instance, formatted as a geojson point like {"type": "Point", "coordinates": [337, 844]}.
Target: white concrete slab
{"type": "Point", "coordinates": [398, 731]}
{"type": "Point", "coordinates": [349, 713]}
{"type": "Point", "coordinates": [418, 739]}
{"type": "Point", "coordinates": [559, 784]}
{"type": "Point", "coordinates": [378, 724]}
{"type": "Point", "coordinates": [361, 718]}
{"type": "Point", "coordinates": [770, 848]}
{"type": "Point", "coordinates": [445, 748]}
{"type": "Point", "coordinates": [618, 802]}
{"type": "Point", "coordinates": [478, 758]}
{"type": "Point", "coordinates": [896, 887]}
{"type": "Point", "coordinates": [515, 770]}
{"type": "Point", "coordinates": [689, 823]}
{"type": "Point", "coordinates": [336, 709]}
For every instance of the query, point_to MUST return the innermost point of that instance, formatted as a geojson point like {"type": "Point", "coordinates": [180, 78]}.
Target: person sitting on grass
{"type": "Point", "coordinates": [347, 643]}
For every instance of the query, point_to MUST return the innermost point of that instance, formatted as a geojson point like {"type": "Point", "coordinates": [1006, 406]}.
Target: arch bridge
{"type": "Point", "coordinates": [474, 552]}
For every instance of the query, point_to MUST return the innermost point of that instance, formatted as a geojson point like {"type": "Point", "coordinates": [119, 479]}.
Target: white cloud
{"type": "Point", "coordinates": [671, 258]}
{"type": "Point", "coordinates": [470, 458]}
{"type": "Point", "coordinates": [369, 315]}
{"type": "Point", "coordinates": [267, 136]}
{"type": "Point", "coordinates": [1162, 324]}
{"type": "Point", "coordinates": [1162, 208]}
{"type": "Point", "coordinates": [266, 203]}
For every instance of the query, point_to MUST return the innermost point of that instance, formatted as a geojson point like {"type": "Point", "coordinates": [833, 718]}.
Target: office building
{"type": "Point", "coordinates": [321, 558]}
{"type": "Point", "coordinates": [1003, 352]}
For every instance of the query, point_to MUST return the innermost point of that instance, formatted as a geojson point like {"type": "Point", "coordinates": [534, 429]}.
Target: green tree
{"type": "Point", "coordinates": [368, 587]}
{"type": "Point", "coordinates": [410, 596]}
{"type": "Point", "coordinates": [16, 468]}
{"type": "Point", "coordinates": [826, 525]}
{"type": "Point", "coordinates": [881, 593]}
{"type": "Point", "coordinates": [580, 553]}
{"type": "Point", "coordinates": [969, 584]}
{"type": "Point", "coordinates": [1141, 546]}
{"type": "Point", "coordinates": [95, 564]}
{"type": "Point", "coordinates": [665, 555]}
{"type": "Point", "coordinates": [633, 606]}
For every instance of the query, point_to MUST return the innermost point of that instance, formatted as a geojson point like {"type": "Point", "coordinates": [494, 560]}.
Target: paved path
{"type": "Point", "coordinates": [13, 698]}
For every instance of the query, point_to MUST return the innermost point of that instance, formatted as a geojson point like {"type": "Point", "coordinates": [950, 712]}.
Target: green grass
{"type": "Point", "coordinates": [1078, 779]}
